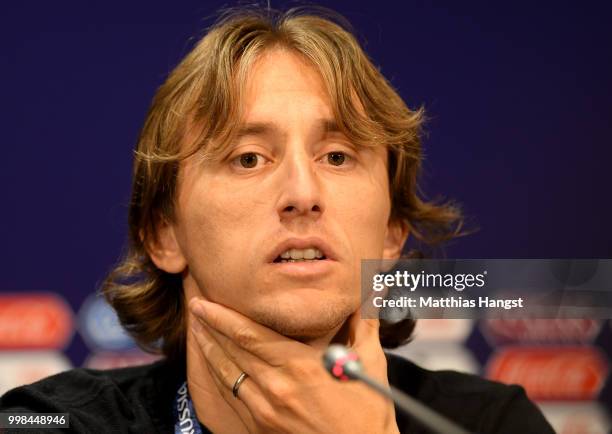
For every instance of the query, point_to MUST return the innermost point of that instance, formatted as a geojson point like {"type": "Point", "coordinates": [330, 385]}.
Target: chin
{"type": "Point", "coordinates": [301, 319]}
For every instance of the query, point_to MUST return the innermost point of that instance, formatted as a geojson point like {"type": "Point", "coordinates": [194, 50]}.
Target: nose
{"type": "Point", "coordinates": [300, 188]}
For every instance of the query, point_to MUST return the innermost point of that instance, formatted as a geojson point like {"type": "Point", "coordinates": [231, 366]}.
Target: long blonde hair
{"type": "Point", "coordinates": [201, 100]}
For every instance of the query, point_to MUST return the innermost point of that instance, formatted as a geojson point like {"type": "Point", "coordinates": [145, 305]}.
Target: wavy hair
{"type": "Point", "coordinates": [201, 100]}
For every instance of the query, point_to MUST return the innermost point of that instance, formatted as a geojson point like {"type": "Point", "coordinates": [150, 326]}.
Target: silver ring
{"type": "Point", "coordinates": [243, 376]}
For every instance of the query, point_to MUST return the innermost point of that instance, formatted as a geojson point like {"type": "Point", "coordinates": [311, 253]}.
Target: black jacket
{"type": "Point", "coordinates": [141, 399]}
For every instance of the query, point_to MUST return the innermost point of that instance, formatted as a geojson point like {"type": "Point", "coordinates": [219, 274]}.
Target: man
{"type": "Point", "coordinates": [272, 161]}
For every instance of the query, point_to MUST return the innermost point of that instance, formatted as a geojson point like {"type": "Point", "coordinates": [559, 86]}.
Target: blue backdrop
{"type": "Point", "coordinates": [518, 97]}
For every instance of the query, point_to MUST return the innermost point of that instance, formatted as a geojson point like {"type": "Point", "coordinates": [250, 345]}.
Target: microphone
{"type": "Point", "coordinates": [344, 365]}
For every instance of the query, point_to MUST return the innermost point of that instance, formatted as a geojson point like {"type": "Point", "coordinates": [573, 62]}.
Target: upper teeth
{"type": "Point", "coordinates": [302, 254]}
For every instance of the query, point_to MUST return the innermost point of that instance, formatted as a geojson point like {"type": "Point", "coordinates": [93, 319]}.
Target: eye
{"type": "Point", "coordinates": [248, 160]}
{"type": "Point", "coordinates": [337, 158]}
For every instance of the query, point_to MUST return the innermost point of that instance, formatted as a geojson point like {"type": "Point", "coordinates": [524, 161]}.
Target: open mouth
{"type": "Point", "coordinates": [300, 255]}
{"type": "Point", "coordinates": [280, 260]}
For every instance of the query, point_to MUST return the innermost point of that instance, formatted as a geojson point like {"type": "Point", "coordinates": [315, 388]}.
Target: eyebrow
{"type": "Point", "coordinates": [266, 128]}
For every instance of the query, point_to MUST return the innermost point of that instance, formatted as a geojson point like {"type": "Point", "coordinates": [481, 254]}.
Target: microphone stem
{"type": "Point", "coordinates": [413, 408]}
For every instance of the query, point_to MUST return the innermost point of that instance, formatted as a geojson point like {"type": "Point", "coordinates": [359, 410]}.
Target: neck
{"type": "Point", "coordinates": [211, 408]}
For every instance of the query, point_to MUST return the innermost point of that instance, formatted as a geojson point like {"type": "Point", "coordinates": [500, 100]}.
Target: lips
{"type": "Point", "coordinates": [302, 243]}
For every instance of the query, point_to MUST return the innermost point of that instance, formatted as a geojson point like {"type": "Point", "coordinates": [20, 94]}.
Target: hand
{"type": "Point", "coordinates": [288, 390]}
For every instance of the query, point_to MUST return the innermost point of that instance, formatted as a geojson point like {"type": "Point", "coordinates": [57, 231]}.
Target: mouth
{"type": "Point", "coordinates": [302, 250]}
{"type": "Point", "coordinates": [303, 258]}
{"type": "Point", "coordinates": [300, 255]}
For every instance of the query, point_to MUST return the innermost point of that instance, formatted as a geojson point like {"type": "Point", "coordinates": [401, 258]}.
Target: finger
{"type": "Point", "coordinates": [248, 392]}
{"type": "Point", "coordinates": [365, 341]}
{"type": "Point", "coordinates": [239, 405]}
{"type": "Point", "coordinates": [255, 412]}
{"type": "Point", "coordinates": [249, 335]}
{"type": "Point", "coordinates": [222, 366]}
{"type": "Point", "coordinates": [363, 333]}
{"type": "Point", "coordinates": [247, 361]}
{"type": "Point", "coordinates": [225, 372]}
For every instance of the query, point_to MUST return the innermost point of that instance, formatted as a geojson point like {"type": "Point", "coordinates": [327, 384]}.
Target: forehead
{"type": "Point", "coordinates": [283, 85]}
{"type": "Point", "coordinates": [282, 69]}
{"type": "Point", "coordinates": [279, 89]}
{"type": "Point", "coordinates": [279, 74]}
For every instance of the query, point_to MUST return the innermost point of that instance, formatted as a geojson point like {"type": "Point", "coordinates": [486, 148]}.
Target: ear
{"type": "Point", "coordinates": [396, 236]}
{"type": "Point", "coordinates": [165, 251]}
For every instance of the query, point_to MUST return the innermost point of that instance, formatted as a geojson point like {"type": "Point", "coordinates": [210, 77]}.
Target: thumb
{"type": "Point", "coordinates": [364, 339]}
{"type": "Point", "coordinates": [362, 332]}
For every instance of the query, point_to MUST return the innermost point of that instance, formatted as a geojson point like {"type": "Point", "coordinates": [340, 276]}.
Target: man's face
{"type": "Point", "coordinates": [290, 182]}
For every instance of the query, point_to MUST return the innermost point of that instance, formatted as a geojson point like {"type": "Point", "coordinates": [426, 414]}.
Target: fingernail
{"type": "Point", "coordinates": [197, 309]}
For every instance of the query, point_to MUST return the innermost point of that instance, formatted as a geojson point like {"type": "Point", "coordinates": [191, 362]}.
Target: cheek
{"type": "Point", "coordinates": [215, 224]}
{"type": "Point", "coordinates": [365, 211]}
{"type": "Point", "coordinates": [215, 214]}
